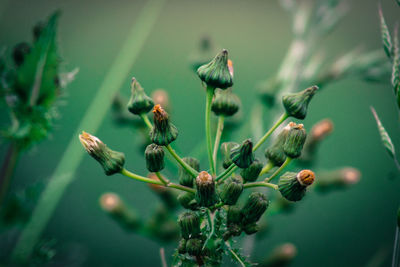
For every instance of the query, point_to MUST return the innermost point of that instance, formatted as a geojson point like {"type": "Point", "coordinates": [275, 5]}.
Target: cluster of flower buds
{"type": "Point", "coordinates": [192, 241]}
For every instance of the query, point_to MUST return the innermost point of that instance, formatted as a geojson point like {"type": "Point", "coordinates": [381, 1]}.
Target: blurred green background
{"type": "Point", "coordinates": [346, 228]}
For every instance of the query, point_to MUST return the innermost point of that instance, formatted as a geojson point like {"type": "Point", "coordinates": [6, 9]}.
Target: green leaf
{"type": "Point", "coordinates": [385, 35]}
{"type": "Point", "coordinates": [386, 141]}
{"type": "Point", "coordinates": [37, 78]}
{"type": "Point", "coordinates": [396, 63]}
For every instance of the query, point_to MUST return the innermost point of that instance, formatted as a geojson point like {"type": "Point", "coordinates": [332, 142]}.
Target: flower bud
{"type": "Point", "coordinates": [111, 161]}
{"type": "Point", "coordinates": [225, 103]}
{"type": "Point", "coordinates": [205, 194]}
{"type": "Point", "coordinates": [281, 256]}
{"type": "Point", "coordinates": [234, 215]}
{"type": "Point", "coordinates": [154, 155]}
{"type": "Point", "coordinates": [188, 201]}
{"type": "Point", "coordinates": [186, 178]}
{"type": "Point", "coordinates": [251, 228]}
{"type": "Point", "coordinates": [256, 205]}
{"type": "Point", "coordinates": [189, 222]}
{"type": "Point", "coordinates": [293, 185]}
{"type": "Point", "coordinates": [160, 97]}
{"type": "Point", "coordinates": [226, 148]}
{"type": "Point", "coordinates": [251, 173]}
{"type": "Point", "coordinates": [275, 153]}
{"type": "Point", "coordinates": [217, 73]}
{"type": "Point", "coordinates": [194, 246]}
{"type": "Point", "coordinates": [19, 53]}
{"type": "Point", "coordinates": [116, 208]}
{"type": "Point", "coordinates": [231, 190]}
{"type": "Point", "coordinates": [295, 140]}
{"type": "Point", "coordinates": [182, 246]}
{"type": "Point", "coordinates": [296, 104]}
{"type": "Point", "coordinates": [337, 179]}
{"type": "Point", "coordinates": [163, 132]}
{"type": "Point", "coordinates": [139, 103]}
{"type": "Point", "coordinates": [243, 155]}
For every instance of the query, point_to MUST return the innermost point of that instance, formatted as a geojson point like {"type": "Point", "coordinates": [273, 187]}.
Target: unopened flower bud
{"type": "Point", "coordinates": [111, 161]}
{"type": "Point", "coordinates": [293, 185]}
{"type": "Point", "coordinates": [217, 73]}
{"type": "Point", "coordinates": [281, 256]}
{"type": "Point", "coordinates": [160, 97]}
{"type": "Point", "coordinates": [205, 194]}
{"type": "Point", "coordinates": [275, 153]}
{"type": "Point", "coordinates": [19, 53]}
{"type": "Point", "coordinates": [187, 200]}
{"type": "Point", "coordinates": [251, 173]}
{"type": "Point", "coordinates": [186, 178]}
{"type": "Point", "coordinates": [243, 155]}
{"type": "Point", "coordinates": [194, 246]}
{"type": "Point", "coordinates": [226, 148]}
{"type": "Point", "coordinates": [336, 179]}
{"type": "Point", "coordinates": [256, 205]}
{"type": "Point", "coordinates": [225, 103]}
{"type": "Point", "coordinates": [189, 222]}
{"type": "Point", "coordinates": [163, 132]}
{"type": "Point", "coordinates": [154, 155]}
{"type": "Point", "coordinates": [182, 246]}
{"type": "Point", "coordinates": [231, 190]}
{"type": "Point", "coordinates": [116, 208]}
{"type": "Point", "coordinates": [251, 228]}
{"type": "Point", "coordinates": [139, 103]}
{"type": "Point", "coordinates": [296, 104]}
{"type": "Point", "coordinates": [295, 140]}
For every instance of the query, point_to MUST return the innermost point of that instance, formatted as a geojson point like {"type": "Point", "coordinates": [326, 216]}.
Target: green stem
{"type": "Point", "coordinates": [132, 175]}
{"type": "Point", "coordinates": [281, 119]}
{"type": "Point", "coordinates": [210, 94]}
{"type": "Point", "coordinates": [220, 128]}
{"type": "Point", "coordinates": [269, 166]}
{"type": "Point", "coordinates": [64, 172]}
{"type": "Point", "coordinates": [7, 170]}
{"type": "Point", "coordinates": [146, 120]}
{"type": "Point", "coordinates": [228, 171]}
{"type": "Point", "coordinates": [261, 184]}
{"type": "Point", "coordinates": [287, 161]}
{"type": "Point", "coordinates": [186, 166]}
{"type": "Point", "coordinates": [164, 180]}
{"type": "Point", "coordinates": [210, 219]}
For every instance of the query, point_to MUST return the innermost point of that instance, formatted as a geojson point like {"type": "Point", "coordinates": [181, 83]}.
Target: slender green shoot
{"type": "Point", "coordinates": [283, 166]}
{"type": "Point", "coordinates": [210, 94]}
{"type": "Point", "coordinates": [220, 128]}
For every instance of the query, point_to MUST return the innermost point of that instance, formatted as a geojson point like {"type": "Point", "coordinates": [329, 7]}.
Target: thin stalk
{"type": "Point", "coordinates": [269, 166]}
{"type": "Point", "coordinates": [220, 128]}
{"type": "Point", "coordinates": [164, 180]}
{"type": "Point", "coordinates": [231, 168]}
{"type": "Point", "coordinates": [287, 161]}
{"type": "Point", "coordinates": [186, 166]}
{"type": "Point", "coordinates": [210, 220]}
{"type": "Point", "coordinates": [210, 94]}
{"type": "Point", "coordinates": [146, 120]}
{"type": "Point", "coordinates": [7, 170]}
{"type": "Point", "coordinates": [281, 119]}
{"type": "Point", "coordinates": [396, 249]}
{"type": "Point", "coordinates": [261, 184]}
{"type": "Point", "coordinates": [235, 255]}
{"type": "Point", "coordinates": [134, 176]}
{"type": "Point", "coordinates": [64, 173]}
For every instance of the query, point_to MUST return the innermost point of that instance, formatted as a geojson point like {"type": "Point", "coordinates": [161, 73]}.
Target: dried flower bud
{"type": "Point", "coordinates": [154, 155]}
{"type": "Point", "coordinates": [160, 97]}
{"type": "Point", "coordinates": [189, 222]}
{"type": "Point", "coordinates": [226, 148]}
{"type": "Point", "coordinates": [194, 246]}
{"type": "Point", "coordinates": [336, 179]}
{"type": "Point", "coordinates": [205, 194]}
{"type": "Point", "coordinates": [19, 53]}
{"type": "Point", "coordinates": [231, 190]}
{"type": "Point", "coordinates": [281, 256]}
{"type": "Point", "coordinates": [217, 74]}
{"type": "Point", "coordinates": [295, 140]}
{"type": "Point", "coordinates": [111, 161]}
{"type": "Point", "coordinates": [275, 153]}
{"type": "Point", "coordinates": [251, 173]}
{"type": "Point", "coordinates": [187, 200]}
{"type": "Point", "coordinates": [139, 103]}
{"type": "Point", "coordinates": [186, 178]}
{"type": "Point", "coordinates": [256, 205]}
{"type": "Point", "coordinates": [296, 104]}
{"type": "Point", "coordinates": [243, 155]}
{"type": "Point", "coordinates": [116, 208]}
{"type": "Point", "coordinates": [163, 132]}
{"type": "Point", "coordinates": [293, 185]}
{"type": "Point", "coordinates": [182, 246]}
{"type": "Point", "coordinates": [251, 228]}
{"type": "Point", "coordinates": [225, 103]}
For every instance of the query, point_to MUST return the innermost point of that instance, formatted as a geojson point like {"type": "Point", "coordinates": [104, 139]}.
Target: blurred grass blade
{"type": "Point", "coordinates": [385, 34]}
{"type": "Point", "coordinates": [65, 171]}
{"type": "Point", "coordinates": [396, 62]}
{"type": "Point", "coordinates": [385, 138]}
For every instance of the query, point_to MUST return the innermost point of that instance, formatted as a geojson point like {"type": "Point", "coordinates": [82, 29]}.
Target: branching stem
{"type": "Point", "coordinates": [283, 166]}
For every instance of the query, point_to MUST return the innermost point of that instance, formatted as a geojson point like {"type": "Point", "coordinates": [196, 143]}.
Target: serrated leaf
{"type": "Point", "coordinates": [37, 78]}
{"type": "Point", "coordinates": [385, 138]}
{"type": "Point", "coordinates": [385, 35]}
{"type": "Point", "coordinates": [396, 63]}
{"type": "Point", "coordinates": [238, 257]}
